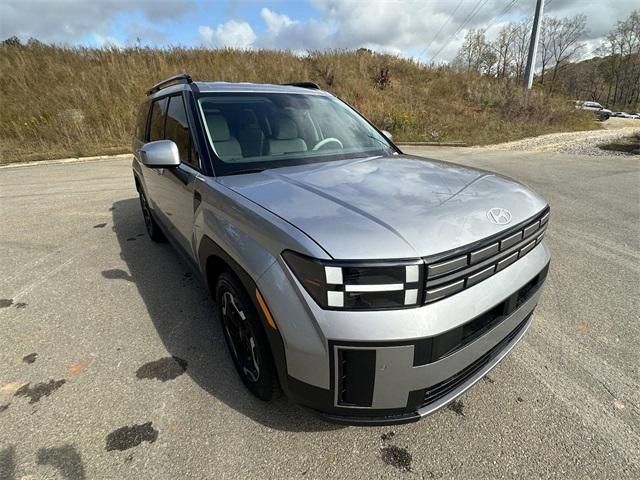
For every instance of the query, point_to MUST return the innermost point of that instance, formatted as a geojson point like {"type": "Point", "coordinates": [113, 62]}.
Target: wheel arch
{"type": "Point", "coordinates": [213, 261]}
{"type": "Point", "coordinates": [137, 182]}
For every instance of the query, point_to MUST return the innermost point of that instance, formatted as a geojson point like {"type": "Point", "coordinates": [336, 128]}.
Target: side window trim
{"type": "Point", "coordinates": [192, 143]}
{"type": "Point", "coordinates": [145, 134]}
{"type": "Point", "coordinates": [201, 145]}
{"type": "Point", "coordinates": [166, 114]}
{"type": "Point", "coordinates": [152, 104]}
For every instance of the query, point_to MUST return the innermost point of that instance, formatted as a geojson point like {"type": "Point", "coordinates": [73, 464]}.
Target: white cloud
{"type": "Point", "coordinates": [601, 15]}
{"type": "Point", "coordinates": [285, 33]}
{"type": "Point", "coordinates": [390, 27]}
{"type": "Point", "coordinates": [106, 41]}
{"type": "Point", "coordinates": [231, 34]}
{"type": "Point", "coordinates": [71, 21]}
{"type": "Point", "coordinates": [411, 27]}
{"type": "Point", "coordinates": [275, 22]}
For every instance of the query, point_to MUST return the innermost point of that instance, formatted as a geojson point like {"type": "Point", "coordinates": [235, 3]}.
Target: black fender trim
{"type": "Point", "coordinates": [208, 248]}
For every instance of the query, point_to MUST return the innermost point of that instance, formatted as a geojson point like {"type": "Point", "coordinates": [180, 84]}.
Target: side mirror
{"type": "Point", "coordinates": [388, 135]}
{"type": "Point", "coordinates": [160, 154]}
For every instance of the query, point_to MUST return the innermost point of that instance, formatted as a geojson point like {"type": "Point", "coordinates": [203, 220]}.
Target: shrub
{"type": "Point", "coordinates": [59, 101]}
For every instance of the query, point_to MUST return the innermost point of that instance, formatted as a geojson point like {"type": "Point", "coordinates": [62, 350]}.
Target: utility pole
{"type": "Point", "coordinates": [533, 45]}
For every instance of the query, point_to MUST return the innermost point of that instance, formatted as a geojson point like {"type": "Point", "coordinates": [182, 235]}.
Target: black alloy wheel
{"type": "Point", "coordinates": [154, 231]}
{"type": "Point", "coordinates": [245, 337]}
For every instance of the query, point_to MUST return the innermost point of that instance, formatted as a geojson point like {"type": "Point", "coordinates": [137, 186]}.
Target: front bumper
{"type": "Point", "coordinates": [379, 379]}
{"type": "Point", "coordinates": [423, 401]}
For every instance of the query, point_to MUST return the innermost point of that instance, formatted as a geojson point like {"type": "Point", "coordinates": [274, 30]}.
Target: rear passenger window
{"type": "Point", "coordinates": [177, 129]}
{"type": "Point", "coordinates": [156, 128]}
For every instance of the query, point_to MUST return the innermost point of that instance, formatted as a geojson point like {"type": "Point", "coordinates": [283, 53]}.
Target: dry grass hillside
{"type": "Point", "coordinates": [58, 102]}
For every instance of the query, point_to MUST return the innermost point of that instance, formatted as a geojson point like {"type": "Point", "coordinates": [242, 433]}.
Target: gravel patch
{"type": "Point", "coordinates": [575, 143]}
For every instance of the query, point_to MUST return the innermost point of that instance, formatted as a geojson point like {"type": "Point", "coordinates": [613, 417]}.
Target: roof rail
{"type": "Point", "coordinates": [174, 80]}
{"type": "Point", "coordinates": [311, 85]}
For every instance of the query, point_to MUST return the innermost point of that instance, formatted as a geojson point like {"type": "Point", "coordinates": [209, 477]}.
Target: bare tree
{"type": "Point", "coordinates": [504, 47]}
{"type": "Point", "coordinates": [565, 44]}
{"type": "Point", "coordinates": [611, 78]}
{"type": "Point", "coordinates": [476, 53]}
{"type": "Point", "coordinates": [560, 43]}
{"type": "Point", "coordinates": [521, 47]}
{"type": "Point", "coordinates": [621, 63]}
{"type": "Point", "coordinates": [628, 34]}
{"type": "Point", "coordinates": [548, 31]}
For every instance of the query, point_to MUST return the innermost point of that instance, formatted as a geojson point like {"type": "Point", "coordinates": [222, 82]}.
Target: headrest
{"type": "Point", "coordinates": [218, 127]}
{"type": "Point", "coordinates": [286, 129]}
{"type": "Point", "coordinates": [248, 117]}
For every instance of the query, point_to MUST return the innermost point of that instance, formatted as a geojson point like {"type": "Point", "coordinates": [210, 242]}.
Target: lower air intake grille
{"type": "Point", "coordinates": [442, 389]}
{"type": "Point", "coordinates": [356, 377]}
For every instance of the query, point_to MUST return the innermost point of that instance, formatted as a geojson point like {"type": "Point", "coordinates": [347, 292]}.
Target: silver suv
{"type": "Point", "coordinates": [373, 287]}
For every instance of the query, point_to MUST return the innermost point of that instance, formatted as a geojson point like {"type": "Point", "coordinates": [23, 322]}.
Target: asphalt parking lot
{"type": "Point", "coordinates": [92, 314]}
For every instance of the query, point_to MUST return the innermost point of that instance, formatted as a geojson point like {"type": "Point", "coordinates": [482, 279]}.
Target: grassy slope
{"type": "Point", "coordinates": [58, 102]}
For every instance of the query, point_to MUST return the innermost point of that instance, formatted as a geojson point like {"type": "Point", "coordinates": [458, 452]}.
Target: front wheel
{"type": "Point", "coordinates": [150, 223]}
{"type": "Point", "coordinates": [245, 337]}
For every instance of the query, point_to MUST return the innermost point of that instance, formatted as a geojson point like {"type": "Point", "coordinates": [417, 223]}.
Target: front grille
{"type": "Point", "coordinates": [453, 273]}
{"type": "Point", "coordinates": [444, 388]}
{"type": "Point", "coordinates": [432, 349]}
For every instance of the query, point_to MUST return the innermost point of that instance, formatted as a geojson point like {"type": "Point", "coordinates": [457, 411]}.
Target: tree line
{"type": "Point", "coordinates": [611, 78]}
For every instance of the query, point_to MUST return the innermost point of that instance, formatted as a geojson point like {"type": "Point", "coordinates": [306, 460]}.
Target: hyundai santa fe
{"type": "Point", "coordinates": [371, 286]}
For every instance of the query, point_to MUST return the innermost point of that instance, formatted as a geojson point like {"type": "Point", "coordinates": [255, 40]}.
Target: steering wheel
{"type": "Point", "coordinates": [326, 141]}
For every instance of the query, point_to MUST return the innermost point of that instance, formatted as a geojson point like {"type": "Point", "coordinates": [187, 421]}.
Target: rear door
{"type": "Point", "coordinates": [154, 185]}
{"type": "Point", "coordinates": [176, 185]}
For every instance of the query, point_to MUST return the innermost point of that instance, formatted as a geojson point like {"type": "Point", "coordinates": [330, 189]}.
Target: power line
{"type": "Point", "coordinates": [451, 15]}
{"type": "Point", "coordinates": [473, 13]}
{"type": "Point", "coordinates": [505, 11]}
{"type": "Point", "coordinates": [459, 29]}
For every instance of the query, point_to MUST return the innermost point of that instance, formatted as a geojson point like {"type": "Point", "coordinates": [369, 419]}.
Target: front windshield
{"type": "Point", "coordinates": [254, 131]}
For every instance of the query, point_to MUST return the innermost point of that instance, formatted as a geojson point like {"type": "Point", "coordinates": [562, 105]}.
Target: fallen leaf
{"type": "Point", "coordinates": [78, 368]}
{"type": "Point", "coordinates": [175, 427]}
{"type": "Point", "coordinates": [583, 328]}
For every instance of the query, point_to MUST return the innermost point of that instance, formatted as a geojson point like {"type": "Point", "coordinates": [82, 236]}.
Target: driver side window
{"type": "Point", "coordinates": [156, 127]}
{"type": "Point", "coordinates": [169, 122]}
{"type": "Point", "coordinates": [177, 129]}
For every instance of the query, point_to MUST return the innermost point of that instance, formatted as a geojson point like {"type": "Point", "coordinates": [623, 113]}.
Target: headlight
{"type": "Point", "coordinates": [353, 285]}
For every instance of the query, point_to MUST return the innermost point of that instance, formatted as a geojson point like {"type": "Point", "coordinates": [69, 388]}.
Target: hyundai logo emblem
{"type": "Point", "coordinates": [499, 216]}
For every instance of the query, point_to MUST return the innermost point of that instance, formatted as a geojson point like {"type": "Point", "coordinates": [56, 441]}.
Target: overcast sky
{"type": "Point", "coordinates": [420, 29]}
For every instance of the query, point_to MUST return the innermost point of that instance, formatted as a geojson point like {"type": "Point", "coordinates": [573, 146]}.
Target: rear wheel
{"type": "Point", "coordinates": [154, 231]}
{"type": "Point", "coordinates": [245, 337]}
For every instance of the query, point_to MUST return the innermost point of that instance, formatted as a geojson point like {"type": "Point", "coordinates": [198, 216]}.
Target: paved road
{"type": "Point", "coordinates": [92, 311]}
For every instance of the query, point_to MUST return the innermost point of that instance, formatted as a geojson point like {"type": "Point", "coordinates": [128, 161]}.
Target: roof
{"type": "Point", "coordinates": [211, 87]}
{"type": "Point", "coordinates": [252, 87]}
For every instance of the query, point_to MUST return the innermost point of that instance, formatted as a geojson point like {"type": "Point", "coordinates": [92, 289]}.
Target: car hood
{"type": "Point", "coordinates": [388, 207]}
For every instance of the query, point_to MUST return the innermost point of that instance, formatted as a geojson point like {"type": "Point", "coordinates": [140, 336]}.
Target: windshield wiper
{"type": "Point", "coordinates": [386, 145]}
{"type": "Point", "coordinates": [246, 170]}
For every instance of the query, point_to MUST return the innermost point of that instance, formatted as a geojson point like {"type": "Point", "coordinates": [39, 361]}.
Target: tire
{"type": "Point", "coordinates": [245, 337]}
{"type": "Point", "coordinates": [153, 229]}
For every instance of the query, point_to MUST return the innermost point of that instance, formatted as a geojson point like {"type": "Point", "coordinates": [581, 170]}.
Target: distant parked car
{"type": "Point", "coordinates": [601, 112]}
{"type": "Point", "coordinates": [622, 115]}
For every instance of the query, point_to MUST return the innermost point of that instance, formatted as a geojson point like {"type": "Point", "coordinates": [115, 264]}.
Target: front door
{"type": "Point", "coordinates": [174, 187]}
